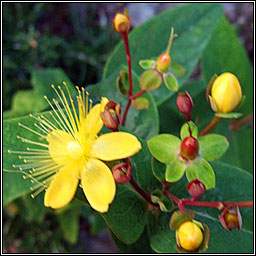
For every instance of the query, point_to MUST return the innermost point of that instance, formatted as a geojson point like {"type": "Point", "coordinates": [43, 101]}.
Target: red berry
{"type": "Point", "coordinates": [189, 148]}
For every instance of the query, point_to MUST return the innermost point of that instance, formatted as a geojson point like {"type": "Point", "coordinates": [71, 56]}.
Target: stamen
{"type": "Point", "coordinates": [31, 130]}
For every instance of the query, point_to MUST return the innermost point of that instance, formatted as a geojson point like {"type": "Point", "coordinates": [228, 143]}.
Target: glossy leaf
{"type": "Point", "coordinates": [164, 147]}
{"type": "Point", "coordinates": [171, 82]}
{"type": "Point", "coordinates": [177, 69]}
{"type": "Point", "coordinates": [150, 80]}
{"type": "Point", "coordinates": [140, 103]}
{"type": "Point", "coordinates": [202, 170]}
{"type": "Point", "coordinates": [175, 170]}
{"type": "Point", "coordinates": [212, 146]}
{"type": "Point", "coordinates": [194, 24]}
{"type": "Point", "coordinates": [228, 115]}
{"type": "Point", "coordinates": [147, 64]}
{"type": "Point", "coordinates": [184, 131]}
{"type": "Point", "coordinates": [123, 83]}
{"type": "Point", "coordinates": [69, 223]}
{"type": "Point", "coordinates": [238, 188]}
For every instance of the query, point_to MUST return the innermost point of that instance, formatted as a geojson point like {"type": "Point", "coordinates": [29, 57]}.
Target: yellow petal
{"type": "Point", "coordinates": [63, 187]}
{"type": "Point", "coordinates": [115, 145]}
{"type": "Point", "coordinates": [93, 123]}
{"type": "Point", "coordinates": [63, 148]}
{"type": "Point", "coordinates": [98, 184]}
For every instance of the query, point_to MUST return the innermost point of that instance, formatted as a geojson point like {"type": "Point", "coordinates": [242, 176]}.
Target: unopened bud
{"type": "Point", "coordinates": [226, 93]}
{"type": "Point", "coordinates": [121, 23]}
{"type": "Point", "coordinates": [231, 219]}
{"type": "Point", "coordinates": [189, 148]}
{"type": "Point", "coordinates": [163, 62]}
{"type": "Point", "coordinates": [185, 104]}
{"type": "Point", "coordinates": [111, 115]}
{"type": "Point", "coordinates": [122, 173]}
{"type": "Point", "coordinates": [189, 236]}
{"type": "Point", "coordinates": [196, 188]}
{"type": "Point", "coordinates": [33, 43]}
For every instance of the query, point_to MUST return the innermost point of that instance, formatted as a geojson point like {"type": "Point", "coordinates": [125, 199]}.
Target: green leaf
{"type": "Point", "coordinates": [140, 246]}
{"type": "Point", "coordinates": [127, 209]}
{"type": "Point", "coordinates": [97, 224]}
{"type": "Point", "coordinates": [164, 147]}
{"type": "Point", "coordinates": [69, 223]}
{"type": "Point", "coordinates": [138, 121]}
{"type": "Point", "coordinates": [171, 82]}
{"type": "Point", "coordinates": [147, 64]}
{"type": "Point", "coordinates": [226, 47]}
{"type": "Point", "coordinates": [158, 169]}
{"type": "Point", "coordinates": [179, 217]}
{"type": "Point", "coordinates": [233, 184]}
{"type": "Point", "coordinates": [177, 69]}
{"type": "Point", "coordinates": [212, 146]}
{"type": "Point", "coordinates": [202, 170]}
{"type": "Point", "coordinates": [150, 80]}
{"type": "Point", "coordinates": [123, 83]}
{"type": "Point", "coordinates": [184, 131]}
{"type": "Point", "coordinates": [165, 204]}
{"type": "Point", "coordinates": [43, 79]}
{"type": "Point", "coordinates": [140, 103]}
{"type": "Point", "coordinates": [228, 115]}
{"type": "Point", "coordinates": [175, 170]}
{"type": "Point", "coordinates": [194, 24]}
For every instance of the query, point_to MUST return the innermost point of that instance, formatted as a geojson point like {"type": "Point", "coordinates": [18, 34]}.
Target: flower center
{"type": "Point", "coordinates": [75, 150]}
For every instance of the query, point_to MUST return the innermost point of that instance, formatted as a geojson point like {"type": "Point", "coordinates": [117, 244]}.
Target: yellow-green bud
{"type": "Point", "coordinates": [226, 92]}
{"type": "Point", "coordinates": [163, 62]}
{"type": "Point", "coordinates": [121, 23]}
{"type": "Point", "coordinates": [189, 236]}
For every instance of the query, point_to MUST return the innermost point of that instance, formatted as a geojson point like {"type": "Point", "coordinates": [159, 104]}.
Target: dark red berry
{"type": "Point", "coordinates": [189, 148]}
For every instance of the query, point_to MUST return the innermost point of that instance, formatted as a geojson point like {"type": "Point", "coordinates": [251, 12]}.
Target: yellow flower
{"type": "Point", "coordinates": [226, 92]}
{"type": "Point", "coordinates": [190, 236]}
{"type": "Point", "coordinates": [121, 23]}
{"type": "Point", "coordinates": [73, 151]}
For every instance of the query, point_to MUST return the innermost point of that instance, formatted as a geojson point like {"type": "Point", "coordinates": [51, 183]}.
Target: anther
{"type": "Point", "coordinates": [18, 136]}
{"type": "Point", "coordinates": [24, 177]}
{"type": "Point", "coordinates": [32, 196]}
{"type": "Point", "coordinates": [28, 149]}
{"type": "Point", "coordinates": [20, 169]}
{"type": "Point", "coordinates": [25, 161]}
{"type": "Point", "coordinates": [52, 85]}
{"type": "Point", "coordinates": [14, 166]}
{"type": "Point", "coordinates": [64, 83]}
{"type": "Point", "coordinates": [9, 151]}
{"type": "Point", "coordinates": [59, 87]}
{"type": "Point", "coordinates": [45, 97]}
{"type": "Point", "coordinates": [32, 181]}
{"type": "Point", "coordinates": [31, 189]}
{"type": "Point", "coordinates": [20, 157]}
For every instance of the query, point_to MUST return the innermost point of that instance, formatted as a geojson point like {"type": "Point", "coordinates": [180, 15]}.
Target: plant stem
{"type": "Point", "coordinates": [128, 57]}
{"type": "Point", "coordinates": [138, 94]}
{"type": "Point", "coordinates": [235, 125]}
{"type": "Point", "coordinates": [214, 121]}
{"type": "Point", "coordinates": [192, 202]}
{"type": "Point", "coordinates": [142, 192]}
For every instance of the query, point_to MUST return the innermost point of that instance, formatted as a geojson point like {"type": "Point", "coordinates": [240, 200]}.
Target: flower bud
{"type": "Point", "coordinates": [189, 236]}
{"type": "Point", "coordinates": [196, 188]}
{"type": "Point", "coordinates": [111, 115]}
{"type": "Point", "coordinates": [231, 219]}
{"type": "Point", "coordinates": [189, 148]}
{"type": "Point", "coordinates": [163, 62]}
{"type": "Point", "coordinates": [226, 93]}
{"type": "Point", "coordinates": [121, 23]}
{"type": "Point", "coordinates": [185, 104]}
{"type": "Point", "coordinates": [122, 173]}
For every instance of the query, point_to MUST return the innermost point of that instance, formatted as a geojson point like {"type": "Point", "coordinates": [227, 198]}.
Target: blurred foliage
{"type": "Point", "coordinates": [39, 35]}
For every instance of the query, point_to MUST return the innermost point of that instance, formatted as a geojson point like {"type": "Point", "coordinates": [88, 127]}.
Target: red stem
{"type": "Point", "coordinates": [214, 121]}
{"type": "Point", "coordinates": [235, 125]}
{"type": "Point", "coordinates": [128, 57]}
{"type": "Point", "coordinates": [138, 94]}
{"type": "Point", "coordinates": [142, 192]}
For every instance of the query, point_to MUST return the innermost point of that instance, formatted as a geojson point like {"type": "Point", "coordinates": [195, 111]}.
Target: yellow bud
{"type": "Point", "coordinates": [190, 236]}
{"type": "Point", "coordinates": [163, 62]}
{"type": "Point", "coordinates": [121, 23]}
{"type": "Point", "coordinates": [226, 92]}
